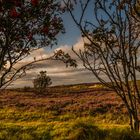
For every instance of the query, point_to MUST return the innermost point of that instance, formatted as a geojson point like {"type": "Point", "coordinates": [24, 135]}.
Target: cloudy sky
{"type": "Point", "coordinates": [58, 72]}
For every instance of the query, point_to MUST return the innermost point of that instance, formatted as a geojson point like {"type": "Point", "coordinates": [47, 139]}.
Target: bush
{"type": "Point", "coordinates": [27, 88]}
{"type": "Point", "coordinates": [41, 82]}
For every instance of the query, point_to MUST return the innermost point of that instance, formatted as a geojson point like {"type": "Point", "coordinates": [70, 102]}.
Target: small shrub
{"type": "Point", "coordinates": [41, 82]}
{"type": "Point", "coordinates": [26, 88]}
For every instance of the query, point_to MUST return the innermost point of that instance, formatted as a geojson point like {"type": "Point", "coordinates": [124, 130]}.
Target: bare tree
{"type": "Point", "coordinates": [25, 26]}
{"type": "Point", "coordinates": [111, 49]}
{"type": "Point", "coordinates": [134, 6]}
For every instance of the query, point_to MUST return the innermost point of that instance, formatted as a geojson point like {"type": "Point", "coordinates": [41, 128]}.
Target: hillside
{"type": "Point", "coordinates": [83, 98]}
{"type": "Point", "coordinates": [54, 115]}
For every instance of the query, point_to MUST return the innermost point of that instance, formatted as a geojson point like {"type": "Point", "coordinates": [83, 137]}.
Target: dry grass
{"type": "Point", "coordinates": [55, 114]}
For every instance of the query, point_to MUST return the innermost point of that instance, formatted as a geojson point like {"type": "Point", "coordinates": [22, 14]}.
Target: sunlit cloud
{"type": "Point", "coordinates": [57, 70]}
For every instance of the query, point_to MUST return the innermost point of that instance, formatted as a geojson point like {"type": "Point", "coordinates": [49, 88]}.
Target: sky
{"type": "Point", "coordinates": [59, 74]}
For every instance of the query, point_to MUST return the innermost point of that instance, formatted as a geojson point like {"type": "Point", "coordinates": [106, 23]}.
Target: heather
{"type": "Point", "coordinates": [77, 112]}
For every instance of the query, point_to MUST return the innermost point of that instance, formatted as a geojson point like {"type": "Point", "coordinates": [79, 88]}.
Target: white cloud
{"type": "Point", "coordinates": [56, 70]}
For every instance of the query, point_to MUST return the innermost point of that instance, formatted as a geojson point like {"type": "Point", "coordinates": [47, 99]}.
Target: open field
{"type": "Point", "coordinates": [78, 112]}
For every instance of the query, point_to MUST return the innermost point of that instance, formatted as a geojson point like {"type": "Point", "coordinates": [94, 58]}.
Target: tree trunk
{"type": "Point", "coordinates": [136, 124]}
{"type": "Point", "coordinates": [131, 122]}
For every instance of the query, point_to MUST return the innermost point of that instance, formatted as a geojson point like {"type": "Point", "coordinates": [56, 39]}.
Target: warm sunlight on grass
{"type": "Point", "coordinates": [64, 113]}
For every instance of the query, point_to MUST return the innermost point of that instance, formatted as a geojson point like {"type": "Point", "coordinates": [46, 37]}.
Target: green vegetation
{"type": "Point", "coordinates": [64, 114]}
{"type": "Point", "coordinates": [41, 82]}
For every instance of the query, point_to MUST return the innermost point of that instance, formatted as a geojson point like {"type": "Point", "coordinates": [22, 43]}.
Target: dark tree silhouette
{"type": "Point", "coordinates": [134, 6]}
{"type": "Point", "coordinates": [111, 49]}
{"type": "Point", "coordinates": [41, 82]}
{"type": "Point", "coordinates": [25, 26]}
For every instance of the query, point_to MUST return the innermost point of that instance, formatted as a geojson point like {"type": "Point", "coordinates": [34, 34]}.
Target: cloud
{"type": "Point", "coordinates": [57, 70]}
{"type": "Point", "coordinates": [79, 45]}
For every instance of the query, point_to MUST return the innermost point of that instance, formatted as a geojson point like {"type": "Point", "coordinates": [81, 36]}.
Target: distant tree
{"type": "Point", "coordinates": [26, 88]}
{"type": "Point", "coordinates": [41, 82]}
{"type": "Point", "coordinates": [111, 48]}
{"type": "Point", "coordinates": [25, 26]}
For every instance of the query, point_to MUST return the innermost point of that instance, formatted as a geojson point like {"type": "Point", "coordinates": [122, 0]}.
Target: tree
{"type": "Point", "coordinates": [25, 26]}
{"type": "Point", "coordinates": [135, 7]}
{"type": "Point", "coordinates": [42, 81]}
{"type": "Point", "coordinates": [111, 49]}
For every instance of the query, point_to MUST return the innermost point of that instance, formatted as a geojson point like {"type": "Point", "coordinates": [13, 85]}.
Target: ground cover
{"type": "Point", "coordinates": [76, 112]}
